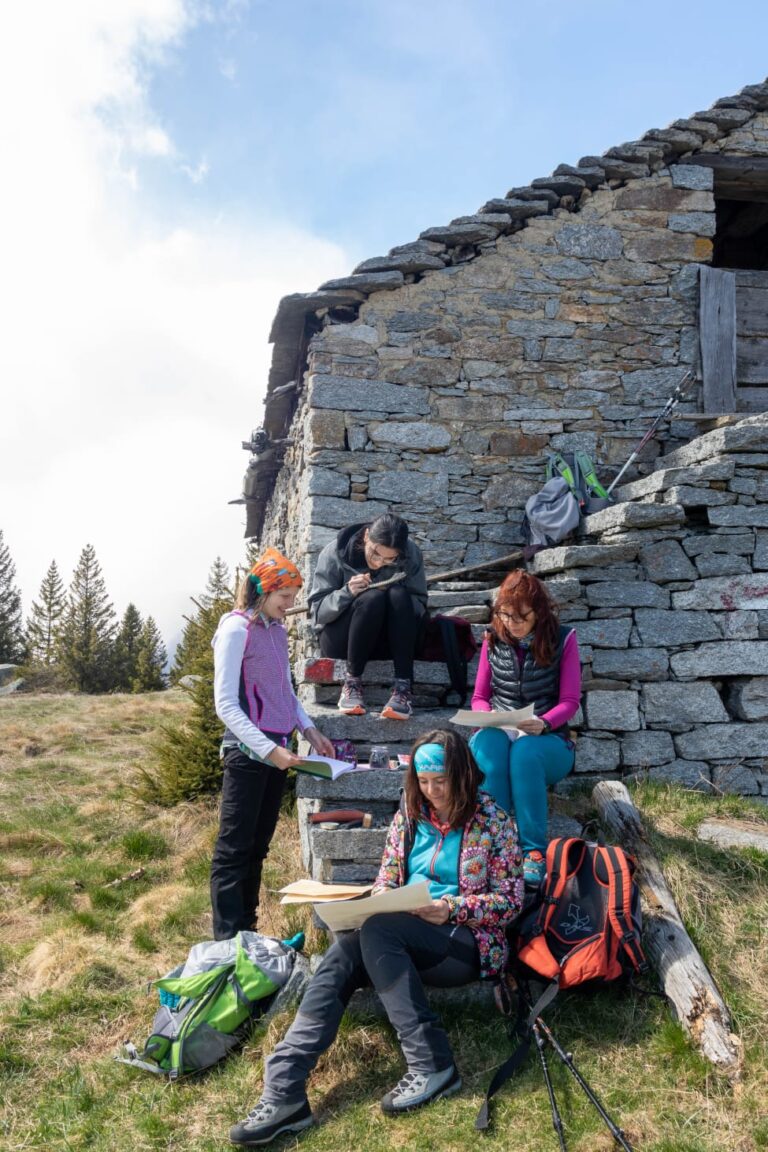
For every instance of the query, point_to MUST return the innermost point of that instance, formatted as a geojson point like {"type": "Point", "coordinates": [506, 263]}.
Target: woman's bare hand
{"type": "Point", "coordinates": [437, 912]}
{"type": "Point", "coordinates": [359, 583]}
{"type": "Point", "coordinates": [282, 758]}
{"type": "Point", "coordinates": [321, 744]}
{"type": "Point", "coordinates": [532, 727]}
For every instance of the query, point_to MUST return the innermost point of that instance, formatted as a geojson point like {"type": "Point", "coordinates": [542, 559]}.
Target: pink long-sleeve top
{"type": "Point", "coordinates": [569, 695]}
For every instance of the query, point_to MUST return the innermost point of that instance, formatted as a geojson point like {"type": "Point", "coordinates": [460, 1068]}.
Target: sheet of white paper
{"type": "Point", "coordinates": [341, 915]}
{"type": "Point", "coordinates": [493, 719]}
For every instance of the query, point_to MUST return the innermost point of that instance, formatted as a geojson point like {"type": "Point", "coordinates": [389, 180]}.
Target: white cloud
{"type": "Point", "coordinates": [133, 355]}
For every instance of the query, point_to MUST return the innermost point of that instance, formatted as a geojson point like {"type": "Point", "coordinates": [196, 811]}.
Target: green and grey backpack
{"type": "Point", "coordinates": [208, 1004]}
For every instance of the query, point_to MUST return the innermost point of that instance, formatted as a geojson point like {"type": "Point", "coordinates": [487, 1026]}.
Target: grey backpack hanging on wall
{"type": "Point", "coordinates": [551, 514]}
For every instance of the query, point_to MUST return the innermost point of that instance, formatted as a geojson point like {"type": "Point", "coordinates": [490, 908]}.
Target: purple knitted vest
{"type": "Point", "coordinates": [266, 692]}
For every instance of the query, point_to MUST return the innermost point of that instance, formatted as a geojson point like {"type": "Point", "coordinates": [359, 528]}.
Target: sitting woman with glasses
{"type": "Point", "coordinates": [360, 616]}
{"type": "Point", "coordinates": [527, 657]}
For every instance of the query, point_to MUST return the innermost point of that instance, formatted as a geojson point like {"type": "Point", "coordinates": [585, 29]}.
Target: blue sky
{"type": "Point", "coordinates": [173, 167]}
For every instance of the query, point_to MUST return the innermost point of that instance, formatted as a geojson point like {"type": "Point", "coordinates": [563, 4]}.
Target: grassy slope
{"type": "Point", "coordinates": [75, 956]}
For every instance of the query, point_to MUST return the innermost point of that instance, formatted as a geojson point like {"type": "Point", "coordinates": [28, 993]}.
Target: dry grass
{"type": "Point", "coordinates": [75, 956]}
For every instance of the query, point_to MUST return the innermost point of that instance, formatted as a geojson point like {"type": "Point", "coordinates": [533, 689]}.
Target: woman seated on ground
{"type": "Point", "coordinates": [358, 622]}
{"type": "Point", "coordinates": [527, 657]}
{"type": "Point", "coordinates": [456, 838]}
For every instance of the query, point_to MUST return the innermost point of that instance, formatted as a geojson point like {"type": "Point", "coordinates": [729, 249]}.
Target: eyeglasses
{"type": "Point", "coordinates": [513, 617]}
{"type": "Point", "coordinates": [376, 555]}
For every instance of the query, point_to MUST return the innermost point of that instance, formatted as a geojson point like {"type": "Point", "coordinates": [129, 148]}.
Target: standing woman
{"type": "Point", "coordinates": [459, 841]}
{"type": "Point", "coordinates": [255, 700]}
{"type": "Point", "coordinates": [527, 657]}
{"type": "Point", "coordinates": [358, 622]}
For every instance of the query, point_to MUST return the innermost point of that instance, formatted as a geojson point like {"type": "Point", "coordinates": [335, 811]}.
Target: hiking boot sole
{"type": "Point", "coordinates": [450, 1089]}
{"type": "Point", "coordinates": [390, 714]}
{"type": "Point", "coordinates": [355, 710]}
{"type": "Point", "coordinates": [259, 1141]}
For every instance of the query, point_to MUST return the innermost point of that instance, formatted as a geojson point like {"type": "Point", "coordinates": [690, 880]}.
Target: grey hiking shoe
{"type": "Point", "coordinates": [266, 1121]}
{"type": "Point", "coordinates": [418, 1088]}
{"type": "Point", "coordinates": [400, 703]}
{"type": "Point", "coordinates": [351, 701]}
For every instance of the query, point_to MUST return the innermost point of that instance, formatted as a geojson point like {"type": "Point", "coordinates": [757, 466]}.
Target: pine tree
{"type": "Point", "coordinates": [45, 619]}
{"type": "Point", "coordinates": [86, 640]}
{"type": "Point", "coordinates": [127, 645]}
{"type": "Point", "coordinates": [151, 658]}
{"type": "Point", "coordinates": [186, 762]}
{"type": "Point", "coordinates": [217, 596]}
{"type": "Point", "coordinates": [11, 634]}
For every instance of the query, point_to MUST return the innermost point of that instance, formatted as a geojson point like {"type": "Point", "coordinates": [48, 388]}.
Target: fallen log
{"type": "Point", "coordinates": [684, 977]}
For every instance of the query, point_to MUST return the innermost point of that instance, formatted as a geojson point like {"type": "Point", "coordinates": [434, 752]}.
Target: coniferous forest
{"type": "Point", "coordinates": [72, 638]}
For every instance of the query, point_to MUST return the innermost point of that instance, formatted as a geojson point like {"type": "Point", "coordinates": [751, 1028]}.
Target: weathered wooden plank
{"type": "Point", "coordinates": [750, 278]}
{"type": "Point", "coordinates": [717, 336]}
{"type": "Point", "coordinates": [752, 360]}
{"type": "Point", "coordinates": [685, 978]}
{"type": "Point", "coordinates": [751, 311]}
{"type": "Point", "coordinates": [752, 399]}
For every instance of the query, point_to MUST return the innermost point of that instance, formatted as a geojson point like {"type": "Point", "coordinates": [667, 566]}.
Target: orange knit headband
{"type": "Point", "coordinates": [272, 571]}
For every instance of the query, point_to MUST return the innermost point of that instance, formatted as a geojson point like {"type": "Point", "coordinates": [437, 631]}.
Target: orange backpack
{"type": "Point", "coordinates": [582, 926]}
{"type": "Point", "coordinates": [584, 923]}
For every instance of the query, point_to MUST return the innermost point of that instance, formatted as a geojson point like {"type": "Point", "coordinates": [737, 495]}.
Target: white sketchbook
{"type": "Point", "coordinates": [493, 719]}
{"type": "Point", "coordinates": [341, 915]}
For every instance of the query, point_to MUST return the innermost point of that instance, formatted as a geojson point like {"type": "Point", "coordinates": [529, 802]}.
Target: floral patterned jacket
{"type": "Point", "coordinates": [490, 877]}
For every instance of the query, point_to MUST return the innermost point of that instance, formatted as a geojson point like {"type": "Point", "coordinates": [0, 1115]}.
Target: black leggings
{"type": "Point", "coordinates": [378, 625]}
{"type": "Point", "coordinates": [250, 805]}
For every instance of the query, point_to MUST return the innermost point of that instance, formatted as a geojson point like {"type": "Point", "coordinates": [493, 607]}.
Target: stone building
{"type": "Point", "coordinates": [434, 380]}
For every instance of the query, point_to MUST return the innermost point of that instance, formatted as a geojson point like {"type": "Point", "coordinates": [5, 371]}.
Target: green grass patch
{"type": "Point", "coordinates": [87, 950]}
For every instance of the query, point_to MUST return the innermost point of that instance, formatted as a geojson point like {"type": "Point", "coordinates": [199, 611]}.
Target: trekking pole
{"type": "Point", "coordinates": [567, 1059]}
{"type": "Point", "coordinates": [557, 1120]}
{"type": "Point", "coordinates": [678, 395]}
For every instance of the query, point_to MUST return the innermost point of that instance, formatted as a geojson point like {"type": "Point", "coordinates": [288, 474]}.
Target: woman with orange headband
{"type": "Point", "coordinates": [256, 702]}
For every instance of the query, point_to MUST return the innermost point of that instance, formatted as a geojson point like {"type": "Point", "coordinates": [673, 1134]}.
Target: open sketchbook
{"type": "Point", "coordinates": [341, 915]}
{"type": "Point", "coordinates": [326, 767]}
{"type": "Point", "coordinates": [493, 719]}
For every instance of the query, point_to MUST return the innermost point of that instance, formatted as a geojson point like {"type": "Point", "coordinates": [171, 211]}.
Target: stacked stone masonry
{"type": "Point", "coordinates": [433, 381]}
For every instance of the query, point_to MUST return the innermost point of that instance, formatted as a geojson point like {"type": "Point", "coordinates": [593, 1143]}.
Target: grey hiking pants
{"type": "Point", "coordinates": [397, 953]}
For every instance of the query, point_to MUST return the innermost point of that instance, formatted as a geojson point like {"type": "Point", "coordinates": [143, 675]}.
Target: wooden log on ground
{"type": "Point", "coordinates": [684, 977]}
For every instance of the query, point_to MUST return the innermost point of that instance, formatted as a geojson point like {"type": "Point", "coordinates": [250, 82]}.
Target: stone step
{"type": "Point", "coordinates": [749, 435]}
{"type": "Point", "coordinates": [323, 670]}
{"type": "Point", "coordinates": [426, 697]}
{"type": "Point", "coordinates": [462, 598]}
{"type": "Point", "coordinates": [620, 517]}
{"type": "Point", "coordinates": [717, 469]}
{"type": "Point", "coordinates": [370, 728]}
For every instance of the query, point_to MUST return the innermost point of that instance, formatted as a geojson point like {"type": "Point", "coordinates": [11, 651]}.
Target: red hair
{"type": "Point", "coordinates": [521, 590]}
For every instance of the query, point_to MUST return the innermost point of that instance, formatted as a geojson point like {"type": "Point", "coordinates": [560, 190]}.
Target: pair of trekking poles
{"type": "Point", "coordinates": [542, 1034]}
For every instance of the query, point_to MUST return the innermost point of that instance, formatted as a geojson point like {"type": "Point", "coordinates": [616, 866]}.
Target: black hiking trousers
{"type": "Point", "coordinates": [397, 953]}
{"type": "Point", "coordinates": [378, 625]}
{"type": "Point", "coordinates": [250, 805]}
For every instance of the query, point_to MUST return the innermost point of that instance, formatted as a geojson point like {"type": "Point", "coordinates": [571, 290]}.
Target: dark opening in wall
{"type": "Point", "coordinates": [741, 237]}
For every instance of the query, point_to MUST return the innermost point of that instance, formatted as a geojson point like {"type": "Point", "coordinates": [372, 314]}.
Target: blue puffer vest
{"type": "Point", "coordinates": [514, 686]}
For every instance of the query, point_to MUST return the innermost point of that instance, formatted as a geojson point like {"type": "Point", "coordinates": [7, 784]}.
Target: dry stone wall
{"type": "Point", "coordinates": [559, 317]}
{"type": "Point", "coordinates": [668, 593]}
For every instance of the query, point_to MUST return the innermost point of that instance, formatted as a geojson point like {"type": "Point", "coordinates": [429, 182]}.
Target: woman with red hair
{"type": "Point", "coordinates": [527, 657]}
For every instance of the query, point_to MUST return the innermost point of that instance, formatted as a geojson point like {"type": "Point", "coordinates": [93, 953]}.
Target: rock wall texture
{"type": "Point", "coordinates": [434, 380]}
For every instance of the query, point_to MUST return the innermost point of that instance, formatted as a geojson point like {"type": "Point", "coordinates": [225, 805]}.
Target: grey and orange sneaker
{"type": "Point", "coordinates": [351, 701]}
{"type": "Point", "coordinates": [400, 703]}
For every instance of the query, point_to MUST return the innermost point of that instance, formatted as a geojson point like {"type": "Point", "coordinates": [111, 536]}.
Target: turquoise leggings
{"type": "Point", "coordinates": [517, 773]}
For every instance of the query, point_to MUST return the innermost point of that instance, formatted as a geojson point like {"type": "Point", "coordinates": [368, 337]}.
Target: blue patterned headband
{"type": "Point", "coordinates": [430, 758]}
